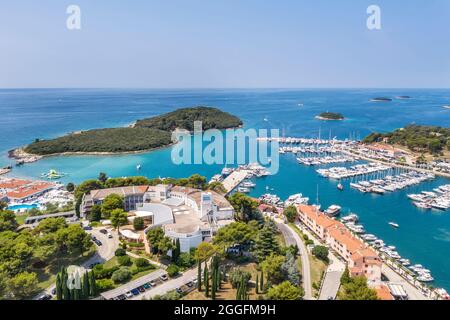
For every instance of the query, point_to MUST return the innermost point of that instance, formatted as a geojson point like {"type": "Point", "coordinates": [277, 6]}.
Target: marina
{"type": "Point", "coordinates": [438, 199]}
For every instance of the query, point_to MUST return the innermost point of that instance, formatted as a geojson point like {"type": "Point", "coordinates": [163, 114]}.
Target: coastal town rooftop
{"type": "Point", "coordinates": [29, 190]}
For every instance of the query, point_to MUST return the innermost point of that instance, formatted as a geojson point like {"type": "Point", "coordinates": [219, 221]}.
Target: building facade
{"type": "Point", "coordinates": [361, 260]}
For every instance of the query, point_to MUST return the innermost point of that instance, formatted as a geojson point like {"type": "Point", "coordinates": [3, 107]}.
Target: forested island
{"type": "Point", "coordinates": [211, 118]}
{"type": "Point", "coordinates": [417, 138]}
{"type": "Point", "coordinates": [381, 99]}
{"type": "Point", "coordinates": [145, 134]}
{"type": "Point", "coordinates": [330, 116]}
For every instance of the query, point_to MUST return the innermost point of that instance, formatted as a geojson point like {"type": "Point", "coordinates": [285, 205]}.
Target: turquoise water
{"type": "Point", "coordinates": [423, 236]}
{"type": "Point", "coordinates": [22, 207]}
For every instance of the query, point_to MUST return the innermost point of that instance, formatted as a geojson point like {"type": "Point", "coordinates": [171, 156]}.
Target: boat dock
{"type": "Point", "coordinates": [235, 179]}
{"type": "Point", "coordinates": [5, 170]}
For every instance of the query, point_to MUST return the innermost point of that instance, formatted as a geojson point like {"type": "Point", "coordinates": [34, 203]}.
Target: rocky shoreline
{"type": "Point", "coordinates": [22, 157]}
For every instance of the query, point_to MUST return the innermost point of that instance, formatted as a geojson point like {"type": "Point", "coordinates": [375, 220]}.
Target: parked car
{"type": "Point", "coordinates": [93, 238]}
{"type": "Point", "coordinates": [147, 286]}
{"type": "Point", "coordinates": [45, 296]}
{"type": "Point", "coordinates": [135, 292]}
{"type": "Point", "coordinates": [110, 235]}
{"type": "Point", "coordinates": [141, 289]}
{"type": "Point", "coordinates": [190, 284]}
{"type": "Point", "coordinates": [87, 228]}
{"type": "Point", "coordinates": [179, 290]}
{"type": "Point", "coordinates": [53, 291]}
{"type": "Point", "coordinates": [104, 231]}
{"type": "Point", "coordinates": [129, 294]}
{"type": "Point", "coordinates": [121, 297]}
{"type": "Point", "coordinates": [164, 277]}
{"type": "Point", "coordinates": [98, 242]}
{"type": "Point", "coordinates": [153, 283]}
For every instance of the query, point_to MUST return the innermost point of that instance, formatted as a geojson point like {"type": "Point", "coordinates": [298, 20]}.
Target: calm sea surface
{"type": "Point", "coordinates": [423, 236]}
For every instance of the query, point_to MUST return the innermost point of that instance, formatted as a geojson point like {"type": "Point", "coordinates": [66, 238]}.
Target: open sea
{"type": "Point", "coordinates": [423, 236]}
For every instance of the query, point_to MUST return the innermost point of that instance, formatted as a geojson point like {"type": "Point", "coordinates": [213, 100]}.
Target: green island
{"type": "Point", "coordinates": [330, 116]}
{"type": "Point", "coordinates": [145, 134]}
{"type": "Point", "coordinates": [416, 138]}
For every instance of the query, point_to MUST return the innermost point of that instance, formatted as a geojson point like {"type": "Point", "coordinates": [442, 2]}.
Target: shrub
{"type": "Point", "coordinates": [124, 260]}
{"type": "Point", "coordinates": [104, 284]}
{"type": "Point", "coordinates": [141, 262]}
{"type": "Point", "coordinates": [120, 252]}
{"type": "Point", "coordinates": [101, 272]}
{"type": "Point", "coordinates": [138, 223]}
{"type": "Point", "coordinates": [321, 253]}
{"type": "Point", "coordinates": [121, 275]}
{"type": "Point", "coordinates": [172, 270]}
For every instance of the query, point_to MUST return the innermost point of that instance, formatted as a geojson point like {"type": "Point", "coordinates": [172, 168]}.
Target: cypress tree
{"type": "Point", "coordinates": [257, 284]}
{"type": "Point", "coordinates": [58, 287]}
{"type": "Point", "coordinates": [92, 285]}
{"type": "Point", "coordinates": [261, 284]}
{"type": "Point", "coordinates": [85, 286]}
{"type": "Point", "coordinates": [65, 289]}
{"type": "Point", "coordinates": [199, 277]}
{"type": "Point", "coordinates": [206, 282]}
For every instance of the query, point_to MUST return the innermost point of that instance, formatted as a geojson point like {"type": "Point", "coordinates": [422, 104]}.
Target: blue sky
{"type": "Point", "coordinates": [225, 44]}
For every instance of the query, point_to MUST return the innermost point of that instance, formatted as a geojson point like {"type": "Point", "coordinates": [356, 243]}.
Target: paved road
{"type": "Point", "coordinates": [413, 293]}
{"type": "Point", "coordinates": [332, 279]}
{"type": "Point", "coordinates": [292, 238]}
{"type": "Point", "coordinates": [169, 285]}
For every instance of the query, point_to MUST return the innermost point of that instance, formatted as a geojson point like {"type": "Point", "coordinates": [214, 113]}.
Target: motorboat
{"type": "Point", "coordinates": [393, 224]}
{"type": "Point", "coordinates": [333, 210]}
{"type": "Point", "coordinates": [340, 187]}
{"type": "Point", "coordinates": [243, 190]}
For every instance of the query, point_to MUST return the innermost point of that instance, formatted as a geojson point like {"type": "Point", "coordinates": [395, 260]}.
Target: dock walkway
{"type": "Point", "coordinates": [234, 179]}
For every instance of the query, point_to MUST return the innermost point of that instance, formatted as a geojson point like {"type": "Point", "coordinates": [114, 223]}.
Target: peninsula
{"type": "Point", "coordinates": [330, 116]}
{"type": "Point", "coordinates": [144, 135]}
{"type": "Point", "coordinates": [417, 138]}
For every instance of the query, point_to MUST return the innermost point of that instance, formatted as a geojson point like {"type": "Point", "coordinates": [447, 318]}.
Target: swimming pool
{"type": "Point", "coordinates": [22, 207]}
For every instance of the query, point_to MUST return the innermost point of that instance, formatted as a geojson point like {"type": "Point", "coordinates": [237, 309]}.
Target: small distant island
{"type": "Point", "coordinates": [144, 135]}
{"type": "Point", "coordinates": [403, 97]}
{"type": "Point", "coordinates": [330, 116]}
{"type": "Point", "coordinates": [417, 138]}
{"type": "Point", "coordinates": [381, 99]}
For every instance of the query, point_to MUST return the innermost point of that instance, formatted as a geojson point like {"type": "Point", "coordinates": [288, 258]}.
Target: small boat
{"type": "Point", "coordinates": [138, 167]}
{"type": "Point", "coordinates": [265, 119]}
{"type": "Point", "coordinates": [243, 190]}
{"type": "Point", "coordinates": [333, 210]}
{"type": "Point", "coordinates": [393, 224]}
{"type": "Point", "coordinates": [340, 187]}
{"type": "Point", "coordinates": [248, 184]}
{"type": "Point", "coordinates": [52, 174]}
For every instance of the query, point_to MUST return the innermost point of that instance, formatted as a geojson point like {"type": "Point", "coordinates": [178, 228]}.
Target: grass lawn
{"type": "Point", "coordinates": [113, 262]}
{"type": "Point", "coordinates": [318, 267]}
{"type": "Point", "coordinates": [20, 218]}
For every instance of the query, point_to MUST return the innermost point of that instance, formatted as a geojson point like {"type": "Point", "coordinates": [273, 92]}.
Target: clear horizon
{"type": "Point", "coordinates": [225, 45]}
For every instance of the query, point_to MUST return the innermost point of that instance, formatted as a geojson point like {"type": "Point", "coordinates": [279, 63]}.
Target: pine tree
{"type": "Point", "coordinates": [176, 251]}
{"type": "Point", "coordinates": [199, 277]}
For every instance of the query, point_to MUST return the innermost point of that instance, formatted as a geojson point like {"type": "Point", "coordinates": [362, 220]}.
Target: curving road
{"type": "Point", "coordinates": [292, 238]}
